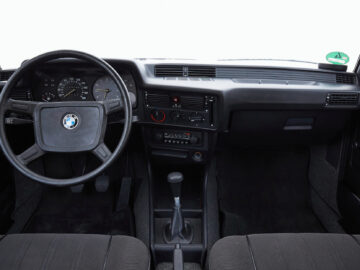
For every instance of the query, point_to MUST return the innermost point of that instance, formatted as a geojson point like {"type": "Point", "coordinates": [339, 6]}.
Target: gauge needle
{"type": "Point", "coordinates": [106, 91]}
{"type": "Point", "coordinates": [69, 93]}
{"type": "Point", "coordinates": [102, 90]}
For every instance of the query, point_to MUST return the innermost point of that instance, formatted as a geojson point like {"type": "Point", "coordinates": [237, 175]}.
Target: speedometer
{"type": "Point", "coordinates": [71, 88]}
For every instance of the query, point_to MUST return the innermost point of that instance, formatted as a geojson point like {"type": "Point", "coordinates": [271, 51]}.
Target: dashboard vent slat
{"type": "Point", "coordinates": [252, 73]}
{"type": "Point", "coordinates": [157, 100]}
{"type": "Point", "coordinates": [342, 99]}
{"type": "Point", "coordinates": [195, 103]}
{"type": "Point", "coordinates": [201, 71]}
{"type": "Point", "coordinates": [184, 71]}
{"type": "Point", "coordinates": [168, 71]}
{"type": "Point", "coordinates": [345, 78]}
{"type": "Point", "coordinates": [20, 94]}
{"type": "Point", "coordinates": [275, 74]}
{"type": "Point", "coordinates": [5, 75]}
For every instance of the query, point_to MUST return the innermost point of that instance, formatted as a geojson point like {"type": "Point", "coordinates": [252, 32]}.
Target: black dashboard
{"type": "Point", "coordinates": [184, 106]}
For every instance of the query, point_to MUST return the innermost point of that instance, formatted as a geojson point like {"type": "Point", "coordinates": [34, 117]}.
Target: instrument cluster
{"type": "Point", "coordinates": [70, 87]}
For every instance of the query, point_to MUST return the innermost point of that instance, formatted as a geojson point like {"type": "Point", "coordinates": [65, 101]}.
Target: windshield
{"type": "Point", "coordinates": [284, 30]}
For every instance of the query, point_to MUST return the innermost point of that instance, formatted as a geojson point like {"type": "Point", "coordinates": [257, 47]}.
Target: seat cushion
{"type": "Point", "coordinates": [72, 251]}
{"type": "Point", "coordinates": [286, 251]}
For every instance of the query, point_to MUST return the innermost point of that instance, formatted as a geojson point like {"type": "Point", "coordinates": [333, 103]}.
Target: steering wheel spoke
{"type": "Point", "coordinates": [30, 154]}
{"type": "Point", "coordinates": [21, 106]}
{"type": "Point", "coordinates": [112, 105]}
{"type": "Point", "coordinates": [102, 152]}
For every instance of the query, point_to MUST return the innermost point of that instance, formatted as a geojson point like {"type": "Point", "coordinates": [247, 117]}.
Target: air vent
{"type": "Point", "coordinates": [201, 71]}
{"type": "Point", "coordinates": [20, 94]}
{"type": "Point", "coordinates": [194, 103]}
{"type": "Point", "coordinates": [342, 99]}
{"type": "Point", "coordinates": [345, 78]}
{"type": "Point", "coordinates": [157, 100]}
{"type": "Point", "coordinates": [5, 74]}
{"type": "Point", "coordinates": [168, 71]}
{"type": "Point", "coordinates": [275, 74]}
{"type": "Point", "coordinates": [185, 71]}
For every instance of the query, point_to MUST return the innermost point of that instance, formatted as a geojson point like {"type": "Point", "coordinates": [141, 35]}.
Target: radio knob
{"type": "Point", "coordinates": [158, 116]}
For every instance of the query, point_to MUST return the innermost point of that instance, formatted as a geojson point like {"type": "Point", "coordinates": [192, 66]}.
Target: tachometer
{"type": "Point", "coordinates": [71, 88]}
{"type": "Point", "coordinates": [105, 89]}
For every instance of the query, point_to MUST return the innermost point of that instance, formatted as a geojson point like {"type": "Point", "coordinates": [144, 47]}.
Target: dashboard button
{"type": "Point", "coordinates": [158, 116]}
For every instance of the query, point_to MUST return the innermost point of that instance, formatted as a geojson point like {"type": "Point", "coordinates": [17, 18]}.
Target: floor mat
{"type": "Point", "coordinates": [265, 191]}
{"type": "Point", "coordinates": [62, 211]}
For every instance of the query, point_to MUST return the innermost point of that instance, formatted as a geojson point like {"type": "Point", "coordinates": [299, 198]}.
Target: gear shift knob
{"type": "Point", "coordinates": [175, 179]}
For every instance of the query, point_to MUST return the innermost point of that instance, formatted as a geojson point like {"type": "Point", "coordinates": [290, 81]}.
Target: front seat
{"type": "Point", "coordinates": [72, 252]}
{"type": "Point", "coordinates": [286, 251]}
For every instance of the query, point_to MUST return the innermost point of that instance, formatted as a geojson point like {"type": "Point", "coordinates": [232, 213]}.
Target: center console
{"type": "Point", "coordinates": [181, 125]}
{"type": "Point", "coordinates": [179, 132]}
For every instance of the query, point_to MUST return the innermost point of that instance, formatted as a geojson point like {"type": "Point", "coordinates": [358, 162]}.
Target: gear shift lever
{"type": "Point", "coordinates": [177, 230]}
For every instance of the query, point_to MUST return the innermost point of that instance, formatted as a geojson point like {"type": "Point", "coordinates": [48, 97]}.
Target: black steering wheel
{"type": "Point", "coordinates": [65, 127]}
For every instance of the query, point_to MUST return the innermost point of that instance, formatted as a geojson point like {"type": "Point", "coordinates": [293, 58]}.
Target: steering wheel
{"type": "Point", "coordinates": [65, 127]}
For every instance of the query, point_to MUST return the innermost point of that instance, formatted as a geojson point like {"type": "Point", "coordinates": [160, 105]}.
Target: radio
{"type": "Point", "coordinates": [180, 109]}
{"type": "Point", "coordinates": [176, 137]}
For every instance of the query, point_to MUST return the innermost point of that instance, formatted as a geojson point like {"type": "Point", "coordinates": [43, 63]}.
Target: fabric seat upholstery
{"type": "Point", "coordinates": [286, 251]}
{"type": "Point", "coordinates": [73, 252]}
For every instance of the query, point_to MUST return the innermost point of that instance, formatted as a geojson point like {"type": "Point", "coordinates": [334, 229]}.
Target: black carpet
{"type": "Point", "coordinates": [61, 211]}
{"type": "Point", "coordinates": [265, 191]}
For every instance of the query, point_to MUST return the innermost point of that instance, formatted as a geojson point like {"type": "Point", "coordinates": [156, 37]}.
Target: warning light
{"type": "Point", "coordinates": [175, 99]}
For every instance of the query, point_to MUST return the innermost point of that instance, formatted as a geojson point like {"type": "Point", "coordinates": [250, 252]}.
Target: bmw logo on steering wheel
{"type": "Point", "coordinates": [70, 121]}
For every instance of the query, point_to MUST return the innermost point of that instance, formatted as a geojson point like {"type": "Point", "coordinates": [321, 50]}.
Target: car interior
{"type": "Point", "coordinates": [178, 164]}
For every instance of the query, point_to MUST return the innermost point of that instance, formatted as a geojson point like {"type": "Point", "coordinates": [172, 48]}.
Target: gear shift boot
{"type": "Point", "coordinates": [177, 231]}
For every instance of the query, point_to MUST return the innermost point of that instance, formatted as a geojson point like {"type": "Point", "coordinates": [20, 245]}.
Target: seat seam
{"type": "Point", "coordinates": [107, 253]}
{"type": "Point", "coordinates": [251, 252]}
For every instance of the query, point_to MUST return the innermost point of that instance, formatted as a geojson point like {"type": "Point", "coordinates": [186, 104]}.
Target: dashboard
{"type": "Point", "coordinates": [184, 107]}
{"type": "Point", "coordinates": [77, 85]}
